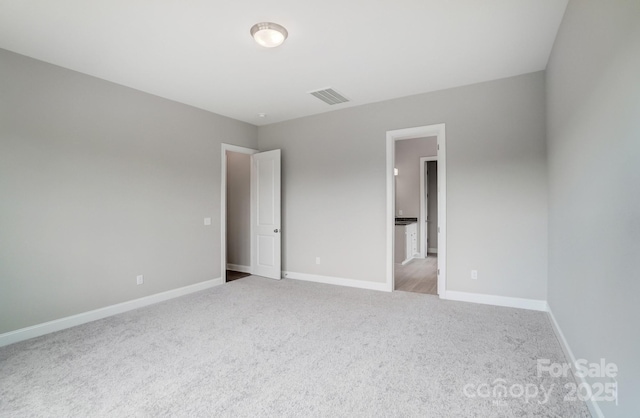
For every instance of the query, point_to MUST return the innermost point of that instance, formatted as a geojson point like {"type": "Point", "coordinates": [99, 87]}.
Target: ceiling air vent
{"type": "Point", "coordinates": [329, 96]}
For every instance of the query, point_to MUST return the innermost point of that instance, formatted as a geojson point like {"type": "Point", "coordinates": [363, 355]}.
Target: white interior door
{"type": "Point", "coordinates": [265, 214]}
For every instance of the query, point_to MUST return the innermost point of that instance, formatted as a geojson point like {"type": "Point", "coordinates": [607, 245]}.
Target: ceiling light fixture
{"type": "Point", "coordinates": [269, 34]}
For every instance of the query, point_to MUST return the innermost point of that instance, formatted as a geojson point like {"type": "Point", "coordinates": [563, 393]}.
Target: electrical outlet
{"type": "Point", "coordinates": [317, 260]}
{"type": "Point", "coordinates": [400, 212]}
{"type": "Point", "coordinates": [474, 274]}
{"type": "Point", "coordinates": [139, 279]}
{"type": "Point", "coordinates": [207, 221]}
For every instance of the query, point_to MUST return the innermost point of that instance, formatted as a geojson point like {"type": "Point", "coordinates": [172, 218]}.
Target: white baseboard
{"type": "Point", "coordinates": [432, 250]}
{"type": "Point", "coordinates": [239, 267]}
{"type": "Point", "coordinates": [361, 284]}
{"type": "Point", "coordinates": [410, 259]}
{"type": "Point", "coordinates": [82, 318]}
{"type": "Point", "coordinates": [531, 304]}
{"type": "Point", "coordinates": [593, 406]}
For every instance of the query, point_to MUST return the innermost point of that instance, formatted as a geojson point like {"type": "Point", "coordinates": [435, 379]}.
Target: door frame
{"type": "Point", "coordinates": [438, 131]}
{"type": "Point", "coordinates": [423, 206]}
{"type": "Point", "coordinates": [223, 206]}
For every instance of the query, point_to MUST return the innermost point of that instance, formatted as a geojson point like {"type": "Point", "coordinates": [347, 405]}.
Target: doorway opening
{"type": "Point", "coordinates": [416, 210]}
{"type": "Point", "coordinates": [236, 212]}
{"type": "Point", "coordinates": [250, 213]}
{"type": "Point", "coordinates": [415, 268]}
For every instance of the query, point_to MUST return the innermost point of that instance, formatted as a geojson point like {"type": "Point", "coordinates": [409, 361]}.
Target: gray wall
{"type": "Point", "coordinates": [100, 183]}
{"type": "Point", "coordinates": [408, 153]}
{"type": "Point", "coordinates": [593, 102]}
{"type": "Point", "coordinates": [432, 171]}
{"type": "Point", "coordinates": [238, 208]}
{"type": "Point", "coordinates": [334, 185]}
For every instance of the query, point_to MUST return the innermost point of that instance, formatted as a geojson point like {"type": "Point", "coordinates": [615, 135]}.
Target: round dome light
{"type": "Point", "coordinates": [269, 34]}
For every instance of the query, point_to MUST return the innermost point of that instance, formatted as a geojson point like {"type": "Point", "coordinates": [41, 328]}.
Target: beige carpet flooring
{"type": "Point", "coordinates": [265, 348]}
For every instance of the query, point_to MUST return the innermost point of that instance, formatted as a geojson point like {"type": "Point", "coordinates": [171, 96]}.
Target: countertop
{"type": "Point", "coordinates": [405, 221]}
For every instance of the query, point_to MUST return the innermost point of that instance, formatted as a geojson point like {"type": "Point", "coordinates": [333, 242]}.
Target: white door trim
{"type": "Point", "coordinates": [411, 133]}
{"type": "Point", "coordinates": [423, 209]}
{"type": "Point", "coordinates": [223, 203]}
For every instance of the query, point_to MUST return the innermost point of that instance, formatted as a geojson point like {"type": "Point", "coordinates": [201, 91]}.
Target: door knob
{"type": "Point", "coordinates": [276, 230]}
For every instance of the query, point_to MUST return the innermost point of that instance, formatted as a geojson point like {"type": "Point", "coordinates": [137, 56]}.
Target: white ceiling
{"type": "Point", "coordinates": [200, 52]}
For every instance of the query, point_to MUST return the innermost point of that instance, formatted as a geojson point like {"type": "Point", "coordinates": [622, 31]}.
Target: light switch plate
{"type": "Point", "coordinates": [207, 221]}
